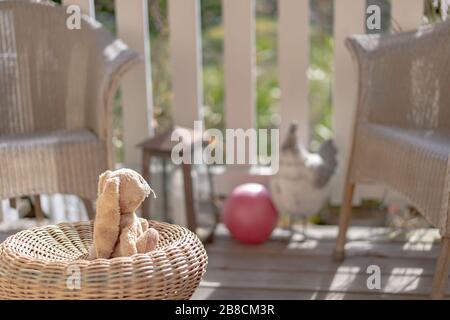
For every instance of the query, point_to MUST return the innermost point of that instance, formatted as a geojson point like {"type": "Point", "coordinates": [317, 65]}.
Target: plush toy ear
{"type": "Point", "coordinates": [101, 181]}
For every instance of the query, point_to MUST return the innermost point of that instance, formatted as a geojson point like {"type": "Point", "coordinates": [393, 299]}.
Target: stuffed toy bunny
{"type": "Point", "coordinates": [118, 232]}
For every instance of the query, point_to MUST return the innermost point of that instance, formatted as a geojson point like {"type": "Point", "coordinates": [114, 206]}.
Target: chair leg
{"type": "Point", "coordinates": [1, 211]}
{"type": "Point", "coordinates": [89, 208]}
{"type": "Point", "coordinates": [38, 208]}
{"type": "Point", "coordinates": [442, 270]}
{"type": "Point", "coordinates": [344, 221]}
{"type": "Point", "coordinates": [13, 203]}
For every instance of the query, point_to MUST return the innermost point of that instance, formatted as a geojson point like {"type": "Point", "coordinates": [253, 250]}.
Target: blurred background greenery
{"type": "Point", "coordinates": [319, 73]}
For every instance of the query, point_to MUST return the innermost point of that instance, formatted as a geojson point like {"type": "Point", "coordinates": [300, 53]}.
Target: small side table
{"type": "Point", "coordinates": [161, 146]}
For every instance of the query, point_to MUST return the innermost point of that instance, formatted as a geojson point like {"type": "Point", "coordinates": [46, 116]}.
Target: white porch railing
{"type": "Point", "coordinates": [239, 59]}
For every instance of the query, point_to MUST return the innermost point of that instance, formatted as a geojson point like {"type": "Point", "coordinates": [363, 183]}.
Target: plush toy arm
{"type": "Point", "coordinates": [128, 242]}
{"type": "Point", "coordinates": [148, 241]}
{"type": "Point", "coordinates": [107, 221]}
{"type": "Point", "coordinates": [144, 224]}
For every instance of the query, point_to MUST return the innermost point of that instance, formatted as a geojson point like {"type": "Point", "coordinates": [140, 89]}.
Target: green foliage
{"type": "Point", "coordinates": [436, 10]}
{"type": "Point", "coordinates": [267, 87]}
{"type": "Point", "coordinates": [213, 73]}
{"type": "Point", "coordinates": [320, 78]}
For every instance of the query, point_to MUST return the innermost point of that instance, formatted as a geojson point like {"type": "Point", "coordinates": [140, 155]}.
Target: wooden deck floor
{"type": "Point", "coordinates": [286, 268]}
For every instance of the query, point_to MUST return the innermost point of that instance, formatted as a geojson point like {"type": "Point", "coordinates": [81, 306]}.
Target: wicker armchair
{"type": "Point", "coordinates": [57, 89]}
{"type": "Point", "coordinates": [402, 129]}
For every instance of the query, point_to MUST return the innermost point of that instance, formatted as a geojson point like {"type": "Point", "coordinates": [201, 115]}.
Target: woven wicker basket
{"type": "Point", "coordinates": [49, 263]}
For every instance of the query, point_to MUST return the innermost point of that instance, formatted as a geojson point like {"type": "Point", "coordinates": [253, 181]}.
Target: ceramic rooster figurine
{"type": "Point", "coordinates": [300, 187]}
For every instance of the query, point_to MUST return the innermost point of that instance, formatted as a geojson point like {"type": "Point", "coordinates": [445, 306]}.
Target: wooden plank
{"type": "Point", "coordinates": [87, 6]}
{"type": "Point", "coordinates": [186, 61]}
{"type": "Point", "coordinates": [344, 84]}
{"type": "Point", "coordinates": [239, 63]}
{"type": "Point", "coordinates": [329, 233]}
{"type": "Point", "coordinates": [218, 293]}
{"type": "Point", "coordinates": [383, 242]}
{"type": "Point", "coordinates": [240, 85]}
{"type": "Point", "coordinates": [191, 218]}
{"type": "Point", "coordinates": [293, 55]}
{"type": "Point", "coordinates": [406, 14]}
{"type": "Point", "coordinates": [318, 248]}
{"type": "Point", "coordinates": [341, 281]}
{"type": "Point", "coordinates": [137, 102]}
{"type": "Point", "coordinates": [229, 261]}
{"type": "Point", "coordinates": [214, 293]}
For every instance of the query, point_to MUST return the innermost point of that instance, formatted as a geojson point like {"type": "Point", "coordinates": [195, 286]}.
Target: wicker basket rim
{"type": "Point", "coordinates": [4, 248]}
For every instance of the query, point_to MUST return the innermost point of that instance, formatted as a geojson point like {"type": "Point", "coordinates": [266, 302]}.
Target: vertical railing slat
{"type": "Point", "coordinates": [86, 6]}
{"type": "Point", "coordinates": [239, 63]}
{"type": "Point", "coordinates": [136, 88]}
{"type": "Point", "coordinates": [349, 18]}
{"type": "Point", "coordinates": [186, 61]}
{"type": "Point", "coordinates": [240, 82]}
{"type": "Point", "coordinates": [293, 53]}
{"type": "Point", "coordinates": [406, 14]}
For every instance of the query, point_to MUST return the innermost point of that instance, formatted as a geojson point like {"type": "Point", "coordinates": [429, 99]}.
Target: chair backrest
{"type": "Point", "coordinates": [405, 77]}
{"type": "Point", "coordinates": [47, 71]}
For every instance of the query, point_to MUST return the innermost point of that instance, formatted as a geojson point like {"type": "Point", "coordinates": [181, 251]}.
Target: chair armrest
{"type": "Point", "coordinates": [111, 59]}
{"type": "Point", "coordinates": [403, 78]}
{"type": "Point", "coordinates": [119, 59]}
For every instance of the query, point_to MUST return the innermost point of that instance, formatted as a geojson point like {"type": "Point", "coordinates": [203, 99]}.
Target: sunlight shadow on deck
{"type": "Point", "coordinates": [284, 269]}
{"type": "Point", "coordinates": [403, 280]}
